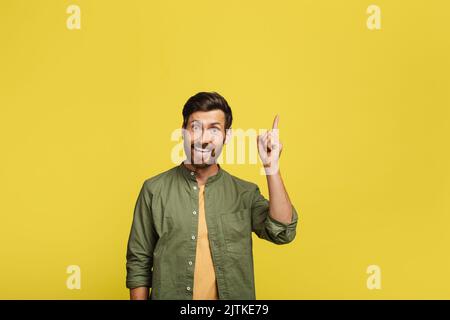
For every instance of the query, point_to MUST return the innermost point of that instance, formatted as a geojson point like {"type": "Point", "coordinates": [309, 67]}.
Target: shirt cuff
{"type": "Point", "coordinates": [280, 231]}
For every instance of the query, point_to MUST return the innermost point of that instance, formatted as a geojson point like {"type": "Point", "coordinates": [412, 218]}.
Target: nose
{"type": "Point", "coordinates": [205, 138]}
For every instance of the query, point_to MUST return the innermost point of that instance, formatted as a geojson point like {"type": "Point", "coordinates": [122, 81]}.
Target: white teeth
{"type": "Point", "coordinates": [201, 150]}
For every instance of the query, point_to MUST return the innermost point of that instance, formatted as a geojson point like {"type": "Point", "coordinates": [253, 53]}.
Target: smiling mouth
{"type": "Point", "coordinates": [212, 151]}
{"type": "Point", "coordinates": [202, 150]}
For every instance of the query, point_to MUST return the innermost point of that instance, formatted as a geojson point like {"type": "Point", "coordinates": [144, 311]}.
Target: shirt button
{"type": "Point", "coordinates": [190, 263]}
{"type": "Point", "coordinates": [194, 212]}
{"type": "Point", "coordinates": [193, 237]}
{"type": "Point", "coordinates": [195, 188]}
{"type": "Point", "coordinates": [188, 288]}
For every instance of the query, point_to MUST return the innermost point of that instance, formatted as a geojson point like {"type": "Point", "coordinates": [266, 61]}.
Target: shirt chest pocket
{"type": "Point", "coordinates": [237, 234]}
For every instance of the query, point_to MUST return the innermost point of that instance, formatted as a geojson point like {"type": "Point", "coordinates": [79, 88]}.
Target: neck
{"type": "Point", "coordinates": [202, 174]}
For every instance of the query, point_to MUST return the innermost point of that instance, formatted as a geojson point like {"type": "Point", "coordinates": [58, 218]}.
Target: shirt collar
{"type": "Point", "coordinates": [190, 175]}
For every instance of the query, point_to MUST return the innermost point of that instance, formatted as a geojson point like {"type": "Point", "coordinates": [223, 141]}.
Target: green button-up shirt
{"type": "Point", "coordinates": [163, 239]}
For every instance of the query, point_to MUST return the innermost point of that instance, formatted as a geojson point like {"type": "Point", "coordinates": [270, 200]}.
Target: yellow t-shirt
{"type": "Point", "coordinates": [205, 285]}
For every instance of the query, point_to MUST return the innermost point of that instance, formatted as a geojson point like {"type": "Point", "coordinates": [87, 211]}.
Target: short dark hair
{"type": "Point", "coordinates": [207, 101]}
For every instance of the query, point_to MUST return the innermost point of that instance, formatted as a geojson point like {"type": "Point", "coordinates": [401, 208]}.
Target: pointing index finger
{"type": "Point", "coordinates": [275, 122]}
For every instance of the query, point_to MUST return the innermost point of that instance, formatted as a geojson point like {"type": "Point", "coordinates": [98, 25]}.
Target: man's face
{"type": "Point", "coordinates": [204, 137]}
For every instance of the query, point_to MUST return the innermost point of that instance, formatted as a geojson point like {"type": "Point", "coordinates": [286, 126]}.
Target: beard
{"type": "Point", "coordinates": [202, 159]}
{"type": "Point", "coordinates": [200, 156]}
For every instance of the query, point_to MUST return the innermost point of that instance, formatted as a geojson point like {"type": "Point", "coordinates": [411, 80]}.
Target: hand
{"type": "Point", "coordinates": [270, 147]}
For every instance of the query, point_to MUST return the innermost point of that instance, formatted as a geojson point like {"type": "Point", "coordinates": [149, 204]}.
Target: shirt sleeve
{"type": "Point", "coordinates": [141, 243]}
{"type": "Point", "coordinates": [267, 227]}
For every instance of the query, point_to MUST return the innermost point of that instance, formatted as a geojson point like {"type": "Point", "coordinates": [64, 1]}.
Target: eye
{"type": "Point", "coordinates": [195, 127]}
{"type": "Point", "coordinates": [214, 130]}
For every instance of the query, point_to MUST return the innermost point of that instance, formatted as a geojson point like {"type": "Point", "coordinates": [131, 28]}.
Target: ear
{"type": "Point", "coordinates": [228, 135]}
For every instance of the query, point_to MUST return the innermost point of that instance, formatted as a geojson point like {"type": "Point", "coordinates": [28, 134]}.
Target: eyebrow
{"type": "Point", "coordinates": [211, 124]}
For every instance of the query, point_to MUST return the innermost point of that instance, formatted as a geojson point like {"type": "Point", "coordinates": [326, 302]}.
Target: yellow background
{"type": "Point", "coordinates": [86, 116]}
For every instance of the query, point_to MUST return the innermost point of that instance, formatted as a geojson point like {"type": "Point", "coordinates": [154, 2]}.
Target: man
{"type": "Point", "coordinates": [191, 236]}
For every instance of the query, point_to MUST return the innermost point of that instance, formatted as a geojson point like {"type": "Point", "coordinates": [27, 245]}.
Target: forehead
{"type": "Point", "coordinates": [207, 117]}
